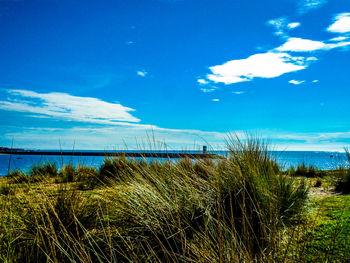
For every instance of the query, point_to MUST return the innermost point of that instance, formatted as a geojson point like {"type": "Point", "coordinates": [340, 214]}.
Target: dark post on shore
{"type": "Point", "coordinates": [204, 149]}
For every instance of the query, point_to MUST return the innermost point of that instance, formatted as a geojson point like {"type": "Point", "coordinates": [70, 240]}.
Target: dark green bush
{"type": "Point", "coordinates": [46, 169]}
{"type": "Point", "coordinates": [7, 189]}
{"type": "Point", "coordinates": [117, 169]}
{"type": "Point", "coordinates": [67, 173]}
{"type": "Point", "coordinates": [343, 183]}
{"type": "Point", "coordinates": [88, 177]}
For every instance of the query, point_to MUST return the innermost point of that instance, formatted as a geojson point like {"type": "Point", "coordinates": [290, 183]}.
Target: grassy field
{"type": "Point", "coordinates": [238, 209]}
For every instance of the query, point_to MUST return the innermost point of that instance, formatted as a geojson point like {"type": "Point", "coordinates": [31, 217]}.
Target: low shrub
{"type": "Point", "coordinates": [7, 189]}
{"type": "Point", "coordinates": [67, 173]}
{"type": "Point", "coordinates": [43, 170]}
{"type": "Point", "coordinates": [118, 169]}
{"type": "Point", "coordinates": [318, 183]}
{"type": "Point", "coordinates": [88, 177]}
{"type": "Point", "coordinates": [306, 171]}
{"type": "Point", "coordinates": [343, 183]}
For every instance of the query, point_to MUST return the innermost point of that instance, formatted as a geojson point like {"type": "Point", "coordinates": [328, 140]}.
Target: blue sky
{"type": "Point", "coordinates": [105, 74]}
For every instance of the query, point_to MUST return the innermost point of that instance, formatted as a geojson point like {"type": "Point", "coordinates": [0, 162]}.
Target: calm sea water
{"type": "Point", "coordinates": [321, 160]}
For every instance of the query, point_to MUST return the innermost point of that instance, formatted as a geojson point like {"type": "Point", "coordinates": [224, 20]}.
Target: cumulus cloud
{"type": "Point", "coordinates": [296, 82]}
{"type": "Point", "coordinates": [264, 65]}
{"type": "Point", "coordinates": [308, 5]}
{"type": "Point", "coordinates": [280, 60]}
{"type": "Point", "coordinates": [68, 107]}
{"type": "Point", "coordinates": [341, 24]}
{"type": "Point", "coordinates": [295, 44]}
{"type": "Point", "coordinates": [142, 73]}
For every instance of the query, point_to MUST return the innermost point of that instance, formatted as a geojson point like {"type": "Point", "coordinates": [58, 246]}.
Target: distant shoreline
{"type": "Point", "coordinates": [115, 154]}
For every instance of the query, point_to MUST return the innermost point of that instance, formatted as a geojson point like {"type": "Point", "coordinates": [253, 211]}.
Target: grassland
{"type": "Point", "coordinates": [238, 209]}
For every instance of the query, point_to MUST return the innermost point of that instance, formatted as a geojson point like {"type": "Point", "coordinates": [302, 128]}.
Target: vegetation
{"type": "Point", "coordinates": [306, 171]}
{"type": "Point", "coordinates": [237, 209]}
{"type": "Point", "coordinates": [343, 184]}
{"type": "Point", "coordinates": [328, 240]}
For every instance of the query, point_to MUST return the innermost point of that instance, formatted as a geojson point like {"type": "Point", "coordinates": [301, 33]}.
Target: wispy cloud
{"type": "Point", "coordinates": [341, 24]}
{"type": "Point", "coordinates": [338, 39]}
{"type": "Point", "coordinates": [315, 81]}
{"type": "Point", "coordinates": [215, 100]}
{"type": "Point", "coordinates": [142, 73]}
{"type": "Point", "coordinates": [237, 92]}
{"type": "Point", "coordinates": [207, 90]}
{"type": "Point", "coordinates": [295, 44]}
{"type": "Point", "coordinates": [279, 24]}
{"type": "Point", "coordinates": [296, 82]}
{"type": "Point", "coordinates": [264, 65]}
{"type": "Point", "coordinates": [67, 107]}
{"type": "Point", "coordinates": [306, 6]}
{"type": "Point", "coordinates": [282, 25]}
{"type": "Point", "coordinates": [105, 138]}
{"type": "Point", "coordinates": [88, 110]}
{"type": "Point", "coordinates": [206, 86]}
{"type": "Point", "coordinates": [202, 81]}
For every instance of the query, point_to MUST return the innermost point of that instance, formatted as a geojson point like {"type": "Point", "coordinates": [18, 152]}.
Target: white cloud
{"type": "Point", "coordinates": [341, 24]}
{"type": "Point", "coordinates": [206, 90]}
{"type": "Point", "coordinates": [105, 138]}
{"type": "Point", "coordinates": [301, 45]}
{"type": "Point", "coordinates": [338, 39]}
{"type": "Point", "coordinates": [237, 92]}
{"type": "Point", "coordinates": [315, 81]}
{"type": "Point", "coordinates": [277, 61]}
{"type": "Point", "coordinates": [308, 5]}
{"type": "Point", "coordinates": [264, 65]}
{"type": "Point", "coordinates": [295, 44]}
{"type": "Point", "coordinates": [68, 107]}
{"type": "Point", "coordinates": [279, 24]}
{"type": "Point", "coordinates": [142, 73]}
{"type": "Point", "coordinates": [215, 100]}
{"type": "Point", "coordinates": [202, 81]}
{"type": "Point", "coordinates": [296, 82]}
{"type": "Point", "coordinates": [293, 25]}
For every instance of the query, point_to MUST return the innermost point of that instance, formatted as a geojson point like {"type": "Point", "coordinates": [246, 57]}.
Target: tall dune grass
{"type": "Point", "coordinates": [233, 209]}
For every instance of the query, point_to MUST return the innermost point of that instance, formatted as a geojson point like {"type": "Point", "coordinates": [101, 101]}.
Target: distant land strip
{"type": "Point", "coordinates": [113, 154]}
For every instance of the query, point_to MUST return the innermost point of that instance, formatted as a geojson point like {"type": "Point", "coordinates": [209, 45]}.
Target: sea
{"type": "Point", "coordinates": [319, 159]}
